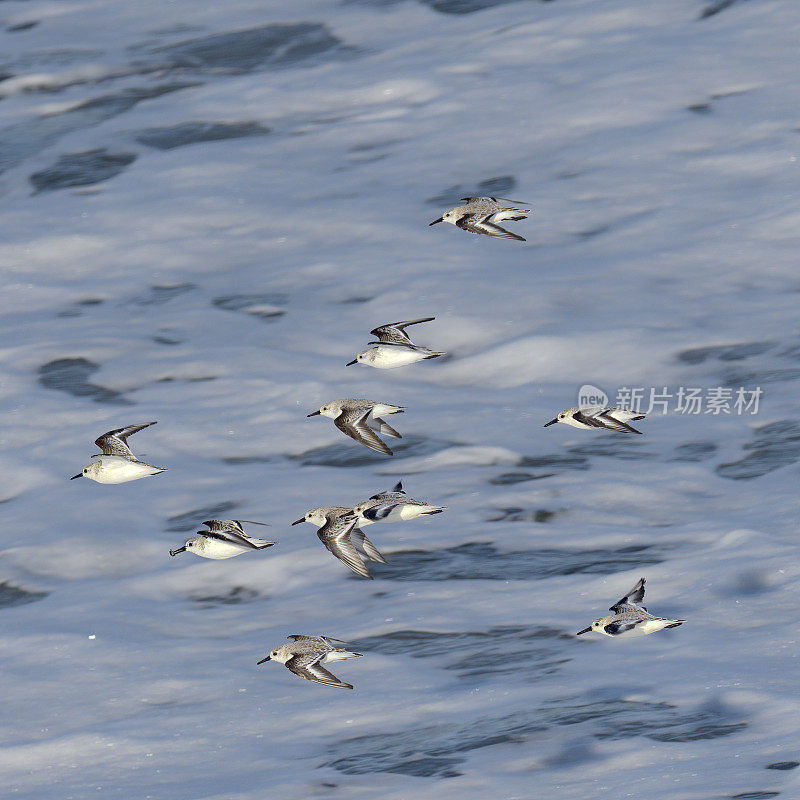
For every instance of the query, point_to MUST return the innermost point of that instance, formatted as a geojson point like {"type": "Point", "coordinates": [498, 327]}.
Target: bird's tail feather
{"type": "Point", "coordinates": [341, 655]}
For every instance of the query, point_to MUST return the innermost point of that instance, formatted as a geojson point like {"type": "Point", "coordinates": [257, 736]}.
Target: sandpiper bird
{"type": "Point", "coordinates": [614, 419]}
{"type": "Point", "coordinates": [630, 619]}
{"type": "Point", "coordinates": [339, 532]}
{"type": "Point", "coordinates": [353, 416]}
{"type": "Point", "coordinates": [305, 655]}
{"type": "Point", "coordinates": [481, 215]}
{"type": "Point", "coordinates": [394, 348]}
{"type": "Point", "coordinates": [224, 538]}
{"type": "Point", "coordinates": [393, 506]}
{"type": "Point", "coordinates": [118, 464]}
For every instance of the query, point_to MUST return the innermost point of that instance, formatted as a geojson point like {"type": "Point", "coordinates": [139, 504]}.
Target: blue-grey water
{"type": "Point", "coordinates": [206, 209]}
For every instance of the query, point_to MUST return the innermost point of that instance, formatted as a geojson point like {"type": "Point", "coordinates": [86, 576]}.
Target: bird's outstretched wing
{"type": "Point", "coordinates": [380, 511]}
{"type": "Point", "coordinates": [224, 525]}
{"type": "Point", "coordinates": [615, 628]}
{"type": "Point", "coordinates": [335, 535]}
{"type": "Point", "coordinates": [384, 493]}
{"type": "Point", "coordinates": [395, 332]}
{"type": "Point", "coordinates": [354, 425]}
{"type": "Point", "coordinates": [115, 443]}
{"type": "Point", "coordinates": [232, 537]}
{"type": "Point", "coordinates": [477, 224]}
{"type": "Point", "coordinates": [496, 200]}
{"type": "Point", "coordinates": [630, 601]}
{"type": "Point", "coordinates": [307, 666]}
{"type": "Point", "coordinates": [386, 429]}
{"type": "Point", "coordinates": [296, 636]}
{"type": "Point", "coordinates": [360, 539]}
{"type": "Point", "coordinates": [613, 423]}
{"type": "Point", "coordinates": [589, 419]}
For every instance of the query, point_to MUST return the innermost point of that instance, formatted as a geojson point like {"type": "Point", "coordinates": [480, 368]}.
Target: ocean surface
{"type": "Point", "coordinates": [206, 208]}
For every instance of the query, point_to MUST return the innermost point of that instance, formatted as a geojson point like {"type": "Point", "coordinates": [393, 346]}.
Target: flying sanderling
{"type": "Point", "coordinates": [481, 215]}
{"type": "Point", "coordinates": [224, 538]}
{"type": "Point", "coordinates": [394, 348]}
{"type": "Point", "coordinates": [305, 655]}
{"type": "Point", "coordinates": [614, 419]}
{"type": "Point", "coordinates": [118, 464]}
{"type": "Point", "coordinates": [629, 618]}
{"type": "Point", "coordinates": [339, 532]}
{"type": "Point", "coordinates": [393, 506]}
{"type": "Point", "coordinates": [352, 416]}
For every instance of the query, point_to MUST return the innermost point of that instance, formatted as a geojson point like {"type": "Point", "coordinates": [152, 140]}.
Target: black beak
{"type": "Point", "coordinates": [552, 422]}
{"type": "Point", "coordinates": [350, 363]}
{"type": "Point", "coordinates": [263, 660]}
{"type": "Point", "coordinates": [179, 550]}
{"type": "Point", "coordinates": [441, 219]}
{"type": "Point", "coordinates": [313, 413]}
{"type": "Point", "coordinates": [79, 475]}
{"type": "Point", "coordinates": [585, 630]}
{"type": "Point", "coordinates": [298, 521]}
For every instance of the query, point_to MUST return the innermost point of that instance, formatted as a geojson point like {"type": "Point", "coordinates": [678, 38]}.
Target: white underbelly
{"type": "Point", "coordinates": [219, 550]}
{"type": "Point", "coordinates": [115, 469]}
{"type": "Point", "coordinates": [392, 357]}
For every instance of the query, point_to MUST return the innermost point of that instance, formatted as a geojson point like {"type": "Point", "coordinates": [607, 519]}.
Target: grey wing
{"type": "Point", "coordinates": [588, 419]}
{"type": "Point", "coordinates": [229, 536]}
{"type": "Point", "coordinates": [495, 200]}
{"type": "Point", "coordinates": [360, 538]}
{"type": "Point", "coordinates": [386, 429]}
{"type": "Point", "coordinates": [620, 626]}
{"type": "Point", "coordinates": [323, 639]}
{"type": "Point", "coordinates": [394, 332]}
{"type": "Point", "coordinates": [384, 493]}
{"type": "Point", "coordinates": [307, 666]}
{"type": "Point", "coordinates": [115, 443]}
{"type": "Point", "coordinates": [476, 224]}
{"type": "Point", "coordinates": [354, 425]}
{"type": "Point", "coordinates": [509, 200]}
{"type": "Point", "coordinates": [630, 601]}
{"type": "Point", "coordinates": [224, 525]}
{"type": "Point", "coordinates": [478, 204]}
{"type": "Point", "coordinates": [378, 512]}
{"type": "Point", "coordinates": [614, 424]}
{"type": "Point", "coordinates": [335, 535]}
